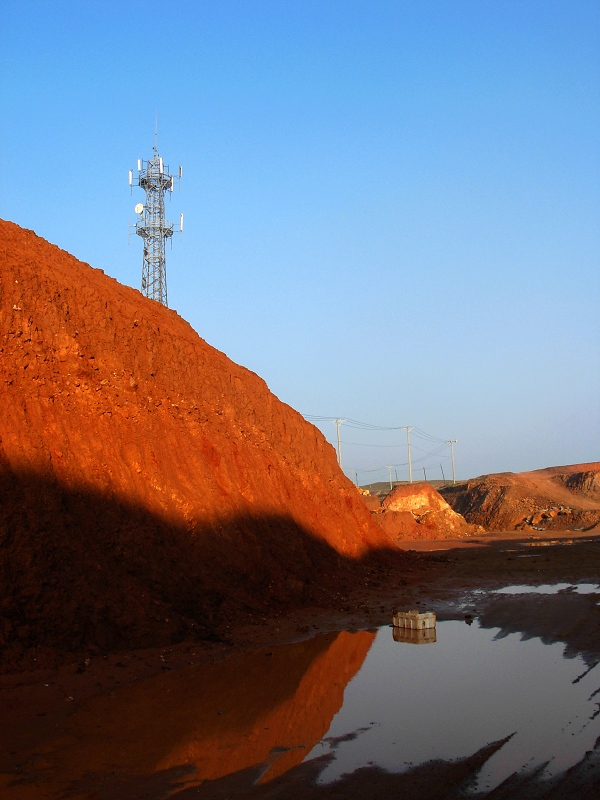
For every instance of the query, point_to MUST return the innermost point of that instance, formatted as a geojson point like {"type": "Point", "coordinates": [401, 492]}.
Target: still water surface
{"type": "Point", "coordinates": [360, 697]}
{"type": "Point", "coordinates": [551, 588]}
{"type": "Point", "coordinates": [445, 700]}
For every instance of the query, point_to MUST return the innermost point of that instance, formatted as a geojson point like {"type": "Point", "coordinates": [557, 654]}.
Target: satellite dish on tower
{"type": "Point", "coordinates": [150, 224]}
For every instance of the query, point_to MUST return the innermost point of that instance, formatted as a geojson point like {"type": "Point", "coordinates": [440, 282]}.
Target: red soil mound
{"type": "Point", "coordinates": [150, 486]}
{"type": "Point", "coordinates": [556, 498]}
{"type": "Point", "coordinates": [418, 511]}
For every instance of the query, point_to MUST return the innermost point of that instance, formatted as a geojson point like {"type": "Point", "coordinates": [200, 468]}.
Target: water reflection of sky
{"type": "Point", "coordinates": [551, 588]}
{"type": "Point", "coordinates": [363, 697]}
{"type": "Point", "coordinates": [448, 699]}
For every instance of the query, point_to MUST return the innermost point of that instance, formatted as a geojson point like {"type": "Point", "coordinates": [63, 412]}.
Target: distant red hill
{"type": "Point", "coordinates": [150, 487]}
{"type": "Point", "coordinates": [556, 498]}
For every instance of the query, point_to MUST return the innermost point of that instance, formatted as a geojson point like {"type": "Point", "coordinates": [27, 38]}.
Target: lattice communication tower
{"type": "Point", "coordinates": [155, 179]}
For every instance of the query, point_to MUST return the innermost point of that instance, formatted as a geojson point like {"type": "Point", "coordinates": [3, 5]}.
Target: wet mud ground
{"type": "Point", "coordinates": [41, 736]}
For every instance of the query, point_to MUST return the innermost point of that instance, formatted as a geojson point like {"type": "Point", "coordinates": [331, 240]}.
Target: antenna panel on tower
{"type": "Point", "coordinates": [155, 179]}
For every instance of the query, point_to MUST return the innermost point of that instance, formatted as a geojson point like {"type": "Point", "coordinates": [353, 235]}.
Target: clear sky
{"type": "Point", "coordinates": [392, 207]}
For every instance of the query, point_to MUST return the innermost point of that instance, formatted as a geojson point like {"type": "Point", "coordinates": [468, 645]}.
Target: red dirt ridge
{"type": "Point", "coordinates": [418, 511]}
{"type": "Point", "coordinates": [556, 498]}
{"type": "Point", "coordinates": [150, 486]}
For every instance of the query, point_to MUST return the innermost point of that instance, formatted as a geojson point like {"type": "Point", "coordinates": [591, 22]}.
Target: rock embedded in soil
{"type": "Point", "coordinates": [151, 488]}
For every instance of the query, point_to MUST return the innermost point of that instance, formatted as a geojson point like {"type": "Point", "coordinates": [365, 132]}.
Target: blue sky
{"type": "Point", "coordinates": [391, 208]}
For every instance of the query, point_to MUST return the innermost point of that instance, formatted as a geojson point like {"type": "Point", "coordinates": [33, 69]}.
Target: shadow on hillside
{"type": "Point", "coordinates": [81, 570]}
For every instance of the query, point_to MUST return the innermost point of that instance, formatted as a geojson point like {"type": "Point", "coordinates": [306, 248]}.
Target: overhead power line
{"type": "Point", "coordinates": [354, 423]}
{"type": "Point", "coordinates": [411, 431]}
{"type": "Point", "coordinates": [423, 435]}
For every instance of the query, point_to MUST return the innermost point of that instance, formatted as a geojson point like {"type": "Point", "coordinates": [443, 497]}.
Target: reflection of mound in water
{"type": "Point", "coordinates": [265, 707]}
{"type": "Point", "coordinates": [422, 636]}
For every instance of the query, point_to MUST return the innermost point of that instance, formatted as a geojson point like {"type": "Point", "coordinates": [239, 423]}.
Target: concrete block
{"type": "Point", "coordinates": [414, 620]}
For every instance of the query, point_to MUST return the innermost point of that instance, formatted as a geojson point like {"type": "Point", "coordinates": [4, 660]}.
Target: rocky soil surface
{"type": "Point", "coordinates": [418, 511]}
{"type": "Point", "coordinates": [556, 498]}
{"type": "Point", "coordinates": [151, 488]}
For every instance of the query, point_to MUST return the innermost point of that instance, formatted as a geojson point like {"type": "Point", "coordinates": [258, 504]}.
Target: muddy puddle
{"type": "Point", "coordinates": [340, 701]}
{"type": "Point", "coordinates": [551, 588]}
{"type": "Point", "coordinates": [446, 700]}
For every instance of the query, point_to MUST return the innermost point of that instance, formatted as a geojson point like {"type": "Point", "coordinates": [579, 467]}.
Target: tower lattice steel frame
{"type": "Point", "coordinates": [155, 179]}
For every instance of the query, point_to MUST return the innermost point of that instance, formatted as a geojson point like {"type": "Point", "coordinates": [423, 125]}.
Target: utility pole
{"type": "Point", "coordinates": [443, 476]}
{"type": "Point", "coordinates": [390, 474]}
{"type": "Point", "coordinates": [408, 429]}
{"type": "Point", "coordinates": [452, 442]}
{"type": "Point", "coordinates": [338, 422]}
{"type": "Point", "coordinates": [424, 474]}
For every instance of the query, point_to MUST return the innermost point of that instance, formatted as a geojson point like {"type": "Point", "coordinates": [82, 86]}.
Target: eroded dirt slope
{"type": "Point", "coordinates": [556, 498]}
{"type": "Point", "coordinates": [149, 486]}
{"type": "Point", "coordinates": [418, 511]}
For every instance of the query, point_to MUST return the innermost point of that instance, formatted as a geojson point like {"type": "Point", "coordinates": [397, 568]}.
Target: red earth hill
{"type": "Point", "coordinates": [418, 511]}
{"type": "Point", "coordinates": [556, 498]}
{"type": "Point", "coordinates": [150, 487]}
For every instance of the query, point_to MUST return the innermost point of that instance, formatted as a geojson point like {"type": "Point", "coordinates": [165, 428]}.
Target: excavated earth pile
{"type": "Point", "coordinates": [556, 498]}
{"type": "Point", "coordinates": [150, 487]}
{"type": "Point", "coordinates": [418, 511]}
